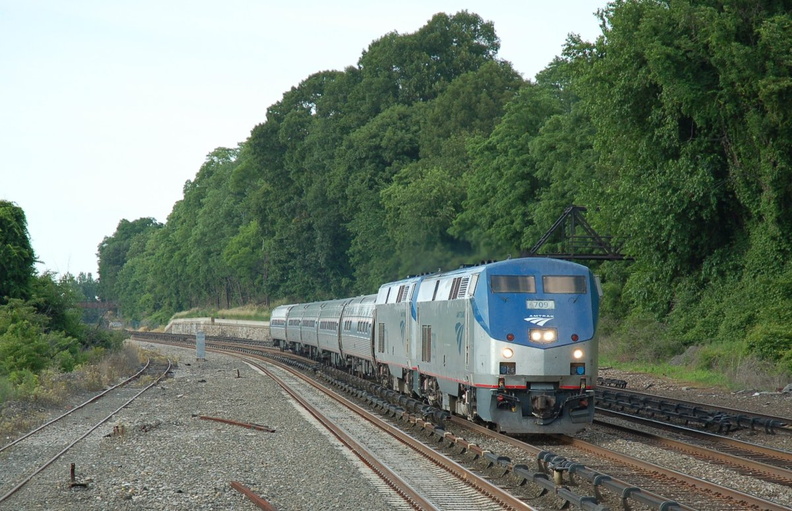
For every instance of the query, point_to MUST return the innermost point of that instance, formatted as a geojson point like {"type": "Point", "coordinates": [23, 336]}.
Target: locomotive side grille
{"type": "Point", "coordinates": [402, 294]}
{"type": "Point", "coordinates": [463, 286]}
{"type": "Point", "coordinates": [459, 287]}
{"type": "Point", "coordinates": [426, 343]}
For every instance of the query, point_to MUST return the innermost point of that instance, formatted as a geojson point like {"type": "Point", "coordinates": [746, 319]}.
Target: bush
{"type": "Point", "coordinates": [25, 382]}
{"type": "Point", "coordinates": [66, 361]}
{"type": "Point", "coordinates": [772, 343]}
{"type": "Point", "coordinates": [7, 390]}
{"type": "Point", "coordinates": [23, 348]}
{"type": "Point", "coordinates": [638, 338]}
{"type": "Point", "coordinates": [53, 387]}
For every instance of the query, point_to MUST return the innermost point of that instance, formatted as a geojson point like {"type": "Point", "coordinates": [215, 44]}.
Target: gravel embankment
{"type": "Point", "coordinates": [169, 459]}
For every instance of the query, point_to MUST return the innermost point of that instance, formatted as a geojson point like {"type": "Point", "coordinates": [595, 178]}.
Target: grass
{"type": "Point", "coordinates": [697, 377]}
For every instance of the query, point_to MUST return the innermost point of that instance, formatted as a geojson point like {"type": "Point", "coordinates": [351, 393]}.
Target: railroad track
{"type": "Point", "coordinates": [424, 478]}
{"type": "Point", "coordinates": [772, 465]}
{"type": "Point", "coordinates": [615, 478]}
{"type": "Point", "coordinates": [611, 479]}
{"type": "Point", "coordinates": [28, 456]}
{"type": "Point", "coordinates": [620, 480]}
{"type": "Point", "coordinates": [412, 475]}
{"type": "Point", "coordinates": [675, 411]}
{"type": "Point", "coordinates": [403, 472]}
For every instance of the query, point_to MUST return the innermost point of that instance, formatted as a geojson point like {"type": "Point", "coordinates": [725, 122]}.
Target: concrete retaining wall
{"type": "Point", "coordinates": [255, 330]}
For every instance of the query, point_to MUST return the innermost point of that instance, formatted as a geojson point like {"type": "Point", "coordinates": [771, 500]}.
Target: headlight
{"type": "Point", "coordinates": [544, 335]}
{"type": "Point", "coordinates": [507, 353]}
{"type": "Point", "coordinates": [578, 354]}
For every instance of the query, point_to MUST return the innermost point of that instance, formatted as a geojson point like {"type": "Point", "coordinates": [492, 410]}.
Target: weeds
{"type": "Point", "coordinates": [23, 408]}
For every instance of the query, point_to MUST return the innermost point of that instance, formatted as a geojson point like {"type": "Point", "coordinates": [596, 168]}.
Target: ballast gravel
{"type": "Point", "coordinates": [168, 458]}
{"type": "Point", "coordinates": [158, 454]}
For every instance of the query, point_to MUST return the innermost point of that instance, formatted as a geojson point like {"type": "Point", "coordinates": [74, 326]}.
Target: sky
{"type": "Point", "coordinates": [107, 107]}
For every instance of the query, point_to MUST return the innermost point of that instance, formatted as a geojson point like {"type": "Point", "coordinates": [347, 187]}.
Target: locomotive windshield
{"type": "Point", "coordinates": [513, 284]}
{"type": "Point", "coordinates": [568, 284]}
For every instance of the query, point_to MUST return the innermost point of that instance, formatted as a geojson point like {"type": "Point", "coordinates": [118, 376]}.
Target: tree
{"type": "Point", "coordinates": [58, 301]}
{"type": "Point", "coordinates": [417, 67]}
{"type": "Point", "coordinates": [22, 343]}
{"type": "Point", "coordinates": [112, 252]}
{"type": "Point", "coordinates": [420, 206]}
{"type": "Point", "coordinates": [425, 196]}
{"type": "Point", "coordinates": [695, 151]}
{"type": "Point", "coordinates": [503, 185]}
{"type": "Point", "coordinates": [87, 287]}
{"type": "Point", "coordinates": [472, 104]}
{"type": "Point", "coordinates": [17, 258]}
{"type": "Point", "coordinates": [244, 257]}
{"type": "Point", "coordinates": [365, 164]}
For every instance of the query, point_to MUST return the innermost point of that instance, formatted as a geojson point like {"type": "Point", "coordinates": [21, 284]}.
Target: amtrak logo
{"type": "Point", "coordinates": [538, 320]}
{"type": "Point", "coordinates": [460, 333]}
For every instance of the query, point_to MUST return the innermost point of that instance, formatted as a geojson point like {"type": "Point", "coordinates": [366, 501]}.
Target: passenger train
{"type": "Point", "coordinates": [509, 343]}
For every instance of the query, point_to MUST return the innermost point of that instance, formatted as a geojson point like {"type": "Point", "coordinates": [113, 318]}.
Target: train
{"type": "Point", "coordinates": [507, 343]}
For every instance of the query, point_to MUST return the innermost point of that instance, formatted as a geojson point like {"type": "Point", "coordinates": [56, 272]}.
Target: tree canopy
{"type": "Point", "coordinates": [672, 127]}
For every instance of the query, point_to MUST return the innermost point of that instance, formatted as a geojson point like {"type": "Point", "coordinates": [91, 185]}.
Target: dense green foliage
{"type": "Point", "coordinates": [690, 101]}
{"type": "Point", "coordinates": [672, 127]}
{"type": "Point", "coordinates": [16, 254]}
{"type": "Point", "coordinates": [41, 325]}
